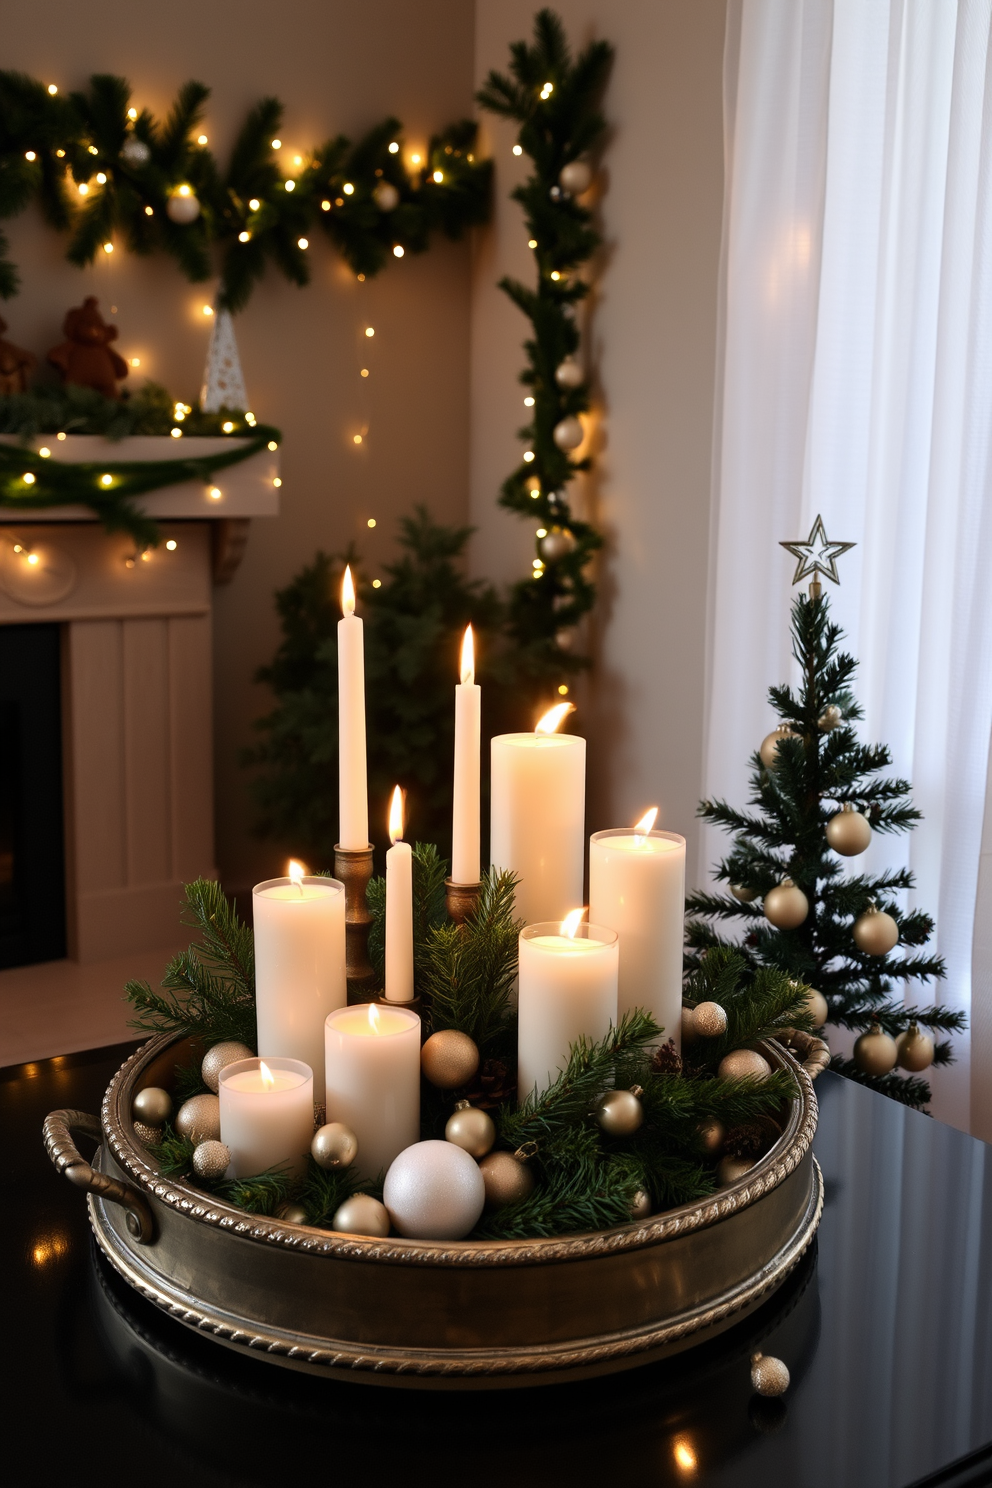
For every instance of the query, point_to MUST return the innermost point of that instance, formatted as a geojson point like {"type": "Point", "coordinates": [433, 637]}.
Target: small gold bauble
{"type": "Point", "coordinates": [558, 544]}
{"type": "Point", "coordinates": [786, 906]}
{"type": "Point", "coordinates": [198, 1119]}
{"type": "Point", "coordinates": [711, 1134]}
{"type": "Point", "coordinates": [470, 1129]}
{"type": "Point", "coordinates": [334, 1146]}
{"type": "Point", "coordinates": [575, 177]}
{"type": "Point", "coordinates": [569, 374]}
{"type": "Point", "coordinates": [507, 1179]}
{"type": "Point", "coordinates": [620, 1112]}
{"type": "Point", "coordinates": [688, 1025]}
{"type": "Point", "coordinates": [830, 718]}
{"type": "Point", "coordinates": [449, 1059]}
{"type": "Point", "coordinates": [292, 1214]}
{"type": "Point", "coordinates": [769, 1376]}
{"type": "Point", "coordinates": [875, 1052]}
{"type": "Point", "coordinates": [211, 1160]}
{"type": "Point", "coordinates": [875, 932]}
{"type": "Point", "coordinates": [746, 896]}
{"type": "Point", "coordinates": [709, 1019]}
{"type": "Point", "coordinates": [148, 1136]}
{"type": "Point", "coordinates": [849, 833]}
{"type": "Point", "coordinates": [152, 1105]}
{"type": "Point", "coordinates": [817, 1004]}
{"type": "Point", "coordinates": [729, 1169]}
{"type": "Point", "coordinates": [362, 1215]}
{"type": "Point", "coordinates": [744, 1064]}
{"type": "Point", "coordinates": [770, 743]}
{"type": "Point", "coordinates": [218, 1058]}
{"type": "Point", "coordinates": [640, 1204]}
{"type": "Point", "coordinates": [914, 1050]}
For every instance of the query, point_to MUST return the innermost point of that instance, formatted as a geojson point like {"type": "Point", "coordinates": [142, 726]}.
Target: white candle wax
{"type": "Point", "coordinates": [353, 798]}
{"type": "Point", "coordinates": [465, 850]}
{"type": "Point", "coordinates": [399, 923]}
{"type": "Point", "coordinates": [637, 887]}
{"type": "Point", "coordinates": [299, 966]}
{"type": "Point", "coordinates": [266, 1122]}
{"type": "Point", "coordinates": [568, 990]}
{"type": "Point", "coordinates": [538, 819]}
{"type": "Point", "coordinates": [372, 1059]}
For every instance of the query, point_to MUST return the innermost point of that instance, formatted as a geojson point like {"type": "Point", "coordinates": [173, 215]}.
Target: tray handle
{"type": "Point", "coordinates": [811, 1052]}
{"type": "Point", "coordinates": [63, 1152]}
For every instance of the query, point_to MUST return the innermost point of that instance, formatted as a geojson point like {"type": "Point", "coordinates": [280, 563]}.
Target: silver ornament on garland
{"type": "Point", "coordinates": [362, 1215]}
{"type": "Point", "coordinates": [769, 1376]}
{"type": "Point", "coordinates": [875, 1052]}
{"type": "Point", "coordinates": [558, 544]}
{"type": "Point", "coordinates": [830, 718]}
{"type": "Point", "coordinates": [292, 1214]}
{"type": "Point", "coordinates": [914, 1050]}
{"type": "Point", "coordinates": [471, 1129]}
{"type": "Point", "coordinates": [709, 1019]}
{"type": "Point", "coordinates": [134, 152]}
{"type": "Point", "coordinates": [875, 932]}
{"type": "Point", "coordinates": [744, 1064]}
{"type": "Point", "coordinates": [386, 196]}
{"type": "Point", "coordinates": [153, 1106]}
{"type": "Point", "coordinates": [640, 1204]}
{"type": "Point", "coordinates": [770, 743]}
{"type": "Point", "coordinates": [730, 1169]}
{"type": "Point", "coordinates": [786, 906]}
{"type": "Point", "coordinates": [575, 177]}
{"type": "Point", "coordinates": [334, 1146]}
{"type": "Point", "coordinates": [449, 1059]}
{"type": "Point", "coordinates": [848, 833]}
{"type": "Point", "coordinates": [211, 1159]}
{"type": "Point", "coordinates": [569, 433]}
{"type": "Point", "coordinates": [745, 895]}
{"type": "Point", "coordinates": [198, 1119]}
{"type": "Point", "coordinates": [620, 1112]}
{"type": "Point", "coordinates": [218, 1058]}
{"type": "Point", "coordinates": [569, 374]}
{"type": "Point", "coordinates": [507, 1179]}
{"type": "Point", "coordinates": [182, 207]}
{"type": "Point", "coordinates": [434, 1191]}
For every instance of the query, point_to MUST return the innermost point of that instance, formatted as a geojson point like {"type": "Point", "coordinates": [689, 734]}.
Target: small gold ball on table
{"type": "Point", "coordinates": [875, 932]}
{"type": "Point", "coordinates": [334, 1146]}
{"type": "Point", "coordinates": [218, 1058]}
{"type": "Point", "coordinates": [709, 1019]}
{"type": "Point", "coordinates": [914, 1050]}
{"type": "Point", "coordinates": [292, 1214]}
{"type": "Point", "coordinates": [742, 1064]}
{"type": "Point", "coordinates": [769, 1376]}
{"type": "Point", "coordinates": [875, 1052]}
{"type": "Point", "coordinates": [449, 1059]}
{"type": "Point", "coordinates": [211, 1159]}
{"type": "Point", "coordinates": [620, 1112]}
{"type": "Point", "coordinates": [786, 906]}
{"type": "Point", "coordinates": [471, 1129]}
{"type": "Point", "coordinates": [198, 1119]}
{"type": "Point", "coordinates": [729, 1169]}
{"type": "Point", "coordinates": [507, 1179]}
{"type": "Point", "coordinates": [848, 833]}
{"type": "Point", "coordinates": [148, 1136]}
{"type": "Point", "coordinates": [362, 1215]}
{"type": "Point", "coordinates": [711, 1134]}
{"type": "Point", "coordinates": [640, 1204]}
{"type": "Point", "coordinates": [152, 1105]}
{"type": "Point", "coordinates": [770, 743]}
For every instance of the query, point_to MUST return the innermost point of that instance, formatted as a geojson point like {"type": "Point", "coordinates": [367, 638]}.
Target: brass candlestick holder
{"type": "Point", "coordinates": [353, 866]}
{"type": "Point", "coordinates": [461, 900]}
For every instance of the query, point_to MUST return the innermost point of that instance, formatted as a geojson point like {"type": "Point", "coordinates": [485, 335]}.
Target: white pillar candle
{"type": "Point", "coordinates": [465, 859]}
{"type": "Point", "coordinates": [372, 1059]}
{"type": "Point", "coordinates": [538, 816]}
{"type": "Point", "coordinates": [299, 964]}
{"type": "Point", "coordinates": [568, 991]}
{"type": "Point", "coordinates": [353, 795]}
{"type": "Point", "coordinates": [266, 1114]}
{"type": "Point", "coordinates": [399, 908]}
{"type": "Point", "coordinates": [637, 887]}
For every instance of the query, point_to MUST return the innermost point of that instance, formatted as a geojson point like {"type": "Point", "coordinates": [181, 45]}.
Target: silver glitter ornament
{"type": "Point", "coordinates": [334, 1146]}
{"type": "Point", "coordinates": [218, 1058]}
{"type": "Point", "coordinates": [914, 1050]}
{"type": "Point", "coordinates": [875, 1053]}
{"type": "Point", "coordinates": [709, 1019]}
{"type": "Point", "coordinates": [152, 1105]}
{"type": "Point", "coordinates": [471, 1129]}
{"type": "Point", "coordinates": [507, 1179]}
{"type": "Point", "coordinates": [729, 1169]}
{"type": "Point", "coordinates": [211, 1160]}
{"type": "Point", "coordinates": [362, 1215]}
{"type": "Point", "coordinates": [620, 1112]}
{"type": "Point", "coordinates": [848, 833]}
{"type": "Point", "coordinates": [875, 932]}
{"type": "Point", "coordinates": [449, 1059]}
{"type": "Point", "coordinates": [770, 743]}
{"type": "Point", "coordinates": [198, 1119]}
{"type": "Point", "coordinates": [786, 906]}
{"type": "Point", "coordinates": [744, 1063]}
{"type": "Point", "coordinates": [769, 1376]}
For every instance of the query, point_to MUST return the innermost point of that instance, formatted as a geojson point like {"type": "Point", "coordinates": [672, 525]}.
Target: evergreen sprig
{"type": "Point", "coordinates": [467, 974]}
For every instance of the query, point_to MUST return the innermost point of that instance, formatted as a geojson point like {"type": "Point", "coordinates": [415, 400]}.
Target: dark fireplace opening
{"type": "Point", "coordinates": [32, 853]}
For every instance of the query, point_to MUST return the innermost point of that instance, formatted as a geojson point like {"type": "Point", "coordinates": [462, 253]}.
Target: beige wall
{"type": "Point", "coordinates": [336, 66]}
{"type": "Point", "coordinates": [653, 335]}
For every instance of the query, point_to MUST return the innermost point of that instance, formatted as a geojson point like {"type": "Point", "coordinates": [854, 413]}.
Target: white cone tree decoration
{"type": "Point", "coordinates": [223, 381]}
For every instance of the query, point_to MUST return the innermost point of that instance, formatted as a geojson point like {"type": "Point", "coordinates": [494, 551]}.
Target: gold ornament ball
{"type": "Point", "coordinates": [769, 1376]}
{"type": "Point", "coordinates": [620, 1113]}
{"type": "Point", "coordinates": [471, 1129]}
{"type": "Point", "coordinates": [742, 1064]}
{"type": "Point", "coordinates": [875, 932]}
{"type": "Point", "coordinates": [575, 177]}
{"type": "Point", "coordinates": [211, 1160]}
{"type": "Point", "coordinates": [507, 1179]}
{"type": "Point", "coordinates": [557, 544]}
{"type": "Point", "coordinates": [786, 906]}
{"type": "Point", "coordinates": [292, 1214]}
{"type": "Point", "coordinates": [729, 1169]}
{"type": "Point", "coordinates": [745, 895]}
{"type": "Point", "coordinates": [152, 1105]}
{"type": "Point", "coordinates": [148, 1136]}
{"type": "Point", "coordinates": [688, 1025]}
{"type": "Point", "coordinates": [334, 1146]}
{"type": "Point", "coordinates": [816, 1003]}
{"type": "Point", "coordinates": [830, 718]}
{"type": "Point", "coordinates": [849, 833]}
{"type": "Point", "coordinates": [569, 374]}
{"type": "Point", "coordinates": [218, 1058]}
{"type": "Point", "coordinates": [709, 1019]}
{"type": "Point", "coordinates": [875, 1052]}
{"type": "Point", "coordinates": [362, 1215]}
{"type": "Point", "coordinates": [569, 433]}
{"type": "Point", "coordinates": [914, 1050]}
{"type": "Point", "coordinates": [449, 1059]}
{"type": "Point", "coordinates": [386, 196]}
{"type": "Point", "coordinates": [711, 1134]}
{"type": "Point", "coordinates": [770, 743]}
{"type": "Point", "coordinates": [198, 1119]}
{"type": "Point", "coordinates": [640, 1204]}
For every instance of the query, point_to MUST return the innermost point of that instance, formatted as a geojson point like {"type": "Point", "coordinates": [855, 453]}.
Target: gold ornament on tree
{"type": "Point", "coordinates": [575, 177]}
{"type": "Point", "coordinates": [334, 1146]}
{"type": "Point", "coordinates": [817, 1005]}
{"type": "Point", "coordinates": [786, 906]}
{"type": "Point", "coordinates": [875, 1052]}
{"type": "Point", "coordinates": [569, 374]}
{"type": "Point", "coordinates": [770, 743]}
{"type": "Point", "coordinates": [558, 544]}
{"type": "Point", "coordinates": [914, 1050]}
{"type": "Point", "coordinates": [386, 196]}
{"type": "Point", "coordinates": [471, 1129]}
{"type": "Point", "coordinates": [449, 1059]}
{"type": "Point", "coordinates": [817, 555]}
{"type": "Point", "coordinates": [745, 895]}
{"type": "Point", "coordinates": [620, 1112]}
{"type": "Point", "coordinates": [875, 932]}
{"type": "Point", "coordinates": [849, 833]}
{"type": "Point", "coordinates": [182, 206]}
{"type": "Point", "coordinates": [688, 1026]}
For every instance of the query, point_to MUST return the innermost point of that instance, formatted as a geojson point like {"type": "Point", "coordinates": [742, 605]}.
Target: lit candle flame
{"type": "Point", "coordinates": [268, 1078]}
{"type": "Point", "coordinates": [297, 873]}
{"type": "Point", "coordinates": [554, 718]}
{"type": "Point", "coordinates": [647, 821]}
{"type": "Point", "coordinates": [468, 656]}
{"type": "Point", "coordinates": [571, 923]}
{"type": "Point", "coordinates": [685, 1457]}
{"type": "Point", "coordinates": [396, 816]}
{"type": "Point", "coordinates": [373, 1017]}
{"type": "Point", "coordinates": [347, 593]}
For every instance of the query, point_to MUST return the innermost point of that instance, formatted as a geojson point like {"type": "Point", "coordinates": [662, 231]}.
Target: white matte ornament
{"type": "Point", "coordinates": [199, 1119]}
{"type": "Point", "coordinates": [770, 743]}
{"type": "Point", "coordinates": [709, 1019]}
{"type": "Point", "coordinates": [434, 1191]}
{"type": "Point", "coordinates": [875, 932]}
{"type": "Point", "coordinates": [362, 1215]}
{"type": "Point", "coordinates": [135, 152]}
{"type": "Point", "coordinates": [386, 196]}
{"type": "Point", "coordinates": [569, 374]}
{"type": "Point", "coordinates": [182, 209]}
{"type": "Point", "coordinates": [211, 1159]}
{"type": "Point", "coordinates": [914, 1050]}
{"type": "Point", "coordinates": [875, 1052]}
{"type": "Point", "coordinates": [742, 1064]}
{"type": "Point", "coordinates": [849, 833]}
{"type": "Point", "coordinates": [219, 1057]}
{"type": "Point", "coordinates": [786, 906]}
{"type": "Point", "coordinates": [769, 1376]}
{"type": "Point", "coordinates": [575, 177]}
{"type": "Point", "coordinates": [569, 433]}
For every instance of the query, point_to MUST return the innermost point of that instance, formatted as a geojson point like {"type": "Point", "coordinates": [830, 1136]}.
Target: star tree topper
{"type": "Point", "coordinates": [817, 555]}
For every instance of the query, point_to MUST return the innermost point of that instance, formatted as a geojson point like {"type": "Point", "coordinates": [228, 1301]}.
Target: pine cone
{"type": "Point", "coordinates": [747, 1140]}
{"type": "Point", "coordinates": [667, 1060]}
{"type": "Point", "coordinates": [493, 1086]}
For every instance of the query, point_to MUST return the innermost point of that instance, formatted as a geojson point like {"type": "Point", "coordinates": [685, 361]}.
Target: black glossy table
{"type": "Point", "coordinates": [886, 1327]}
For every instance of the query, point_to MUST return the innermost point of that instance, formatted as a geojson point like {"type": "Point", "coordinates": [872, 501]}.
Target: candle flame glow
{"type": "Point", "coordinates": [396, 816]}
{"type": "Point", "coordinates": [348, 593]}
{"type": "Point", "coordinates": [268, 1078]}
{"type": "Point", "coordinates": [468, 656]}
{"type": "Point", "coordinates": [647, 821]}
{"type": "Point", "coordinates": [685, 1457]}
{"type": "Point", "coordinates": [297, 872]}
{"type": "Point", "coordinates": [571, 923]}
{"type": "Point", "coordinates": [554, 718]}
{"type": "Point", "coordinates": [373, 1017]}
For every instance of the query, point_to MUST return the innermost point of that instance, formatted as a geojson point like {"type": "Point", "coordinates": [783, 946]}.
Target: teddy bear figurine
{"type": "Point", "coordinates": [15, 366]}
{"type": "Point", "coordinates": [86, 357]}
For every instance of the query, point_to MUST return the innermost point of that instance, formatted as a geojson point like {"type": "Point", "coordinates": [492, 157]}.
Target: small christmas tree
{"type": "Point", "coordinates": [821, 796]}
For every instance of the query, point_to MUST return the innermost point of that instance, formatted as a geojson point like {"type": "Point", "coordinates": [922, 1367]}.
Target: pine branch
{"type": "Point", "coordinates": [468, 973]}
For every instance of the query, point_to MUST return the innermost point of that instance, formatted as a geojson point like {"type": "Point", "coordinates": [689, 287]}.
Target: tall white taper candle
{"type": "Point", "coordinates": [353, 796]}
{"type": "Point", "coordinates": [465, 859]}
{"type": "Point", "coordinates": [399, 908]}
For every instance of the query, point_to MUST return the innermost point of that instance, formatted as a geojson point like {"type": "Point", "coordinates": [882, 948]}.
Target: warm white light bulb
{"type": "Point", "coordinates": [201, 139]}
{"type": "Point", "coordinates": [348, 189]}
{"type": "Point", "coordinates": [106, 480]}
{"type": "Point", "coordinates": [303, 242]}
{"type": "Point", "coordinates": [254, 204]}
{"type": "Point", "coordinates": [398, 250]}
{"type": "Point", "coordinates": [243, 237]}
{"type": "Point", "coordinates": [172, 545]}
{"type": "Point", "coordinates": [438, 177]}
{"type": "Point", "coordinates": [518, 149]}
{"type": "Point", "coordinates": [393, 147]}
{"type": "Point", "coordinates": [52, 88]}
{"type": "Point", "coordinates": [370, 330]}
{"type": "Point", "coordinates": [28, 478]}
{"type": "Point", "coordinates": [277, 144]}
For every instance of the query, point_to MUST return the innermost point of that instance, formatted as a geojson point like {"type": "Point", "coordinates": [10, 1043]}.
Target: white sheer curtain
{"type": "Point", "coordinates": [856, 367]}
